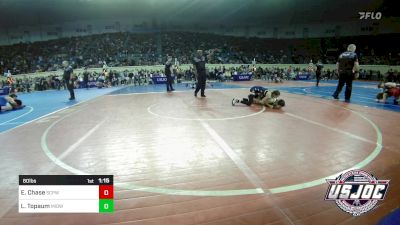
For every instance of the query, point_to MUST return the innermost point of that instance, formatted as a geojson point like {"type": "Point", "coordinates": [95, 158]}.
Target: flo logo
{"type": "Point", "coordinates": [370, 15]}
{"type": "Point", "coordinates": [356, 191]}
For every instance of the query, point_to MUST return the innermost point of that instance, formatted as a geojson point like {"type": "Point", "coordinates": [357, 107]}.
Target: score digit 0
{"type": "Point", "coordinates": [106, 192]}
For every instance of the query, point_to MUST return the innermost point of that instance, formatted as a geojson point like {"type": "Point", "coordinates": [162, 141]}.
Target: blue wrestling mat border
{"type": "Point", "coordinates": [42, 103]}
{"type": "Point", "coordinates": [357, 82]}
{"type": "Point", "coordinates": [363, 92]}
{"type": "Point", "coordinates": [39, 104]}
{"type": "Point", "coordinates": [360, 95]}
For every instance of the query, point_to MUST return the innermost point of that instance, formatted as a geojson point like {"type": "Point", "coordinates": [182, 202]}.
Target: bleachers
{"type": "Point", "coordinates": [128, 49]}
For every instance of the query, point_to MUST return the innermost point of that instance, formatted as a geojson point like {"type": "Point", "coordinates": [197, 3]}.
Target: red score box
{"type": "Point", "coordinates": [106, 192]}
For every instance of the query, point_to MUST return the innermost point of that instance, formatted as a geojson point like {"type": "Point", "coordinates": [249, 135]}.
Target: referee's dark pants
{"type": "Point", "coordinates": [318, 76]}
{"type": "Point", "coordinates": [70, 87]}
{"type": "Point", "coordinates": [169, 83]}
{"type": "Point", "coordinates": [86, 83]}
{"type": "Point", "coordinates": [344, 78]}
{"type": "Point", "coordinates": [248, 101]}
{"type": "Point", "coordinates": [201, 85]}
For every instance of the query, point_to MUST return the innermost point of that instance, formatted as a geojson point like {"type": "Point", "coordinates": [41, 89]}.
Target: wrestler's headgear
{"type": "Point", "coordinates": [275, 94]}
{"type": "Point", "coordinates": [281, 102]}
{"type": "Point", "coordinates": [19, 102]}
{"type": "Point", "coordinates": [379, 96]}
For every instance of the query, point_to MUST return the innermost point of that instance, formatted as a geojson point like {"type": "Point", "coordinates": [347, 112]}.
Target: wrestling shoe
{"type": "Point", "coordinates": [234, 101]}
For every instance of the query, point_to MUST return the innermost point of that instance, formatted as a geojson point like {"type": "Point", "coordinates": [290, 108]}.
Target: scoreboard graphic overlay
{"type": "Point", "coordinates": [66, 194]}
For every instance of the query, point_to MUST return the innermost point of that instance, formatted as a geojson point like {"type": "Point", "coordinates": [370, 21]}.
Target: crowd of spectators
{"type": "Point", "coordinates": [128, 49]}
{"type": "Point", "coordinates": [109, 78]}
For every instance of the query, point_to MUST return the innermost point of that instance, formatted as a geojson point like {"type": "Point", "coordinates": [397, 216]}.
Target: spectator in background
{"type": "Point", "coordinates": [11, 82]}
{"type": "Point", "coordinates": [328, 74]}
{"type": "Point", "coordinates": [396, 77]}
{"type": "Point", "coordinates": [311, 67]}
{"type": "Point", "coordinates": [26, 84]}
{"type": "Point", "coordinates": [390, 77]}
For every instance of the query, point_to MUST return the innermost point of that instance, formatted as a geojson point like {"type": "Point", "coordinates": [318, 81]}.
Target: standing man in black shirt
{"type": "Point", "coordinates": [168, 74]}
{"type": "Point", "coordinates": [86, 78]}
{"type": "Point", "coordinates": [69, 79]}
{"type": "Point", "coordinates": [318, 71]}
{"type": "Point", "coordinates": [348, 68]}
{"type": "Point", "coordinates": [199, 65]}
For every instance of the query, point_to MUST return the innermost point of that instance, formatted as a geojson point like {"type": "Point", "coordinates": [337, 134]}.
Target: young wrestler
{"type": "Point", "coordinates": [262, 96]}
{"type": "Point", "coordinates": [256, 92]}
{"type": "Point", "coordinates": [390, 89]}
{"type": "Point", "coordinates": [11, 103]}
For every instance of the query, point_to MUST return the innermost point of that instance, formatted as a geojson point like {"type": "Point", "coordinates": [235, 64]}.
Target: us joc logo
{"type": "Point", "coordinates": [356, 191]}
